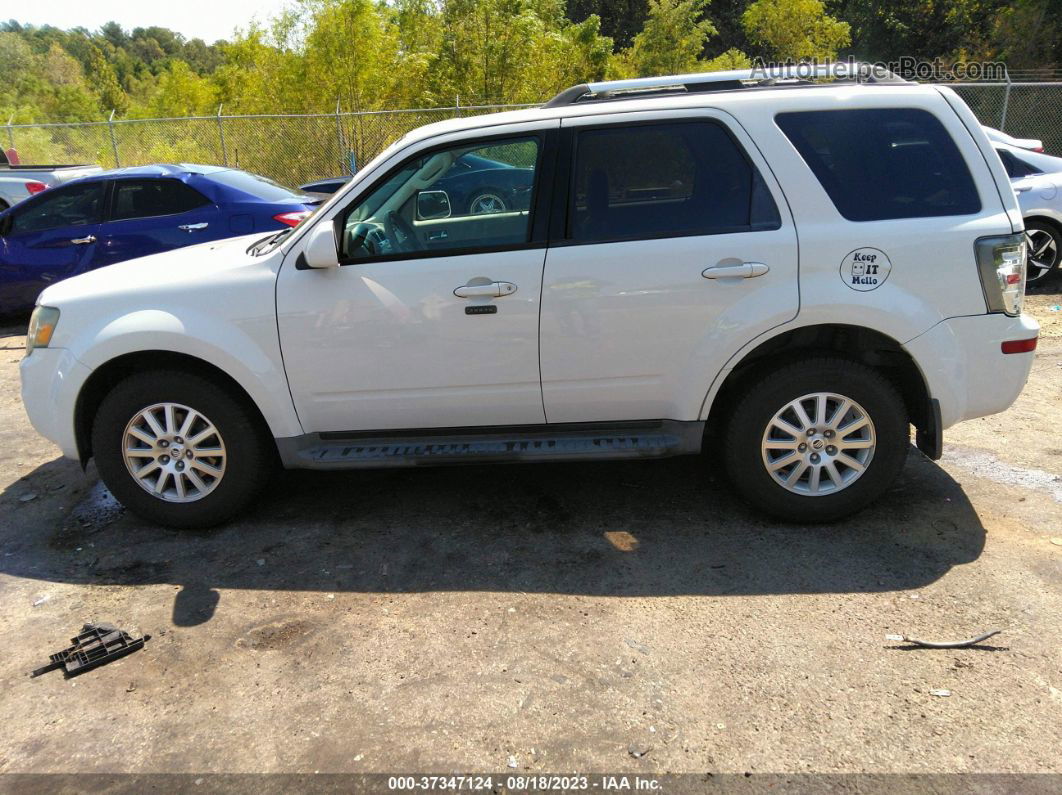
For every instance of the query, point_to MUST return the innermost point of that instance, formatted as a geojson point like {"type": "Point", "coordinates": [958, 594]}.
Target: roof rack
{"type": "Point", "coordinates": [703, 82]}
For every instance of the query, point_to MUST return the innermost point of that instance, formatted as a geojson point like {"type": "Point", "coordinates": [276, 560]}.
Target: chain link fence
{"type": "Point", "coordinates": [1024, 110]}
{"type": "Point", "coordinates": [294, 149]}
{"type": "Point", "coordinates": [291, 149]}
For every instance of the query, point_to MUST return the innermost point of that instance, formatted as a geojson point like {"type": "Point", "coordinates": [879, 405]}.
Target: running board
{"type": "Point", "coordinates": [442, 446]}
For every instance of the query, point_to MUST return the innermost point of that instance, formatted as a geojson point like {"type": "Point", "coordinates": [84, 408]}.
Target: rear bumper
{"type": "Point", "coordinates": [965, 368]}
{"type": "Point", "coordinates": [51, 381]}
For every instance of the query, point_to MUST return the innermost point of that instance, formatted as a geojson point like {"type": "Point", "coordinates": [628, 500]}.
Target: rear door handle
{"type": "Point", "coordinates": [193, 227]}
{"type": "Point", "coordinates": [81, 241]}
{"type": "Point", "coordinates": [489, 290]}
{"type": "Point", "coordinates": [746, 270]}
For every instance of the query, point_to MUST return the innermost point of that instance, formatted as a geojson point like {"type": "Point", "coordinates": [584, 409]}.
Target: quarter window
{"type": "Point", "coordinates": [468, 197]}
{"type": "Point", "coordinates": [71, 205]}
{"type": "Point", "coordinates": [146, 198]}
{"type": "Point", "coordinates": [880, 164]}
{"type": "Point", "coordinates": [664, 180]}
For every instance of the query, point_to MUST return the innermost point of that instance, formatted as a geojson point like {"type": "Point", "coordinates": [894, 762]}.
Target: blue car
{"type": "Point", "coordinates": [117, 215]}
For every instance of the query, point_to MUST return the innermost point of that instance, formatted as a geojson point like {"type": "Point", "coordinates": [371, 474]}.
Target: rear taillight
{"type": "Point", "coordinates": [35, 187]}
{"type": "Point", "coordinates": [291, 219]}
{"type": "Point", "coordinates": [1001, 263]}
{"type": "Point", "coordinates": [1038, 149]}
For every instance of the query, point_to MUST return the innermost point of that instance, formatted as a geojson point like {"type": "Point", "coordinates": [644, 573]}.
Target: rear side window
{"type": "Point", "coordinates": [256, 185]}
{"type": "Point", "coordinates": [884, 163]}
{"type": "Point", "coordinates": [147, 198]}
{"type": "Point", "coordinates": [664, 180]}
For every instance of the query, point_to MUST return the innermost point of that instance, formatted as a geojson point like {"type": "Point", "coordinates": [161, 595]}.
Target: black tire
{"type": "Point", "coordinates": [250, 454]}
{"type": "Point", "coordinates": [1037, 277]}
{"type": "Point", "coordinates": [768, 393]}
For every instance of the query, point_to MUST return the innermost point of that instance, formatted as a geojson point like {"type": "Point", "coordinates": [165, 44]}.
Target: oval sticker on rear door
{"type": "Point", "coordinates": [865, 269]}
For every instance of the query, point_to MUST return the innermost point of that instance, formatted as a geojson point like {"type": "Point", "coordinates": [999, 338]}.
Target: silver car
{"type": "Point", "coordinates": [1037, 179]}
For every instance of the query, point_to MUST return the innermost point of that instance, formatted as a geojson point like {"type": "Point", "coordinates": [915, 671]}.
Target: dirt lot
{"type": "Point", "coordinates": [546, 618]}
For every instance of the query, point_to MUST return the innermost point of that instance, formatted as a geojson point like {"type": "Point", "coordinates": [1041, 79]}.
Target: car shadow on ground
{"type": "Point", "coordinates": [620, 529]}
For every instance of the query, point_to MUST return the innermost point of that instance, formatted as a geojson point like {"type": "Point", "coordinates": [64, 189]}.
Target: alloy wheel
{"type": "Point", "coordinates": [818, 444]}
{"type": "Point", "coordinates": [487, 204]}
{"type": "Point", "coordinates": [1043, 253]}
{"type": "Point", "coordinates": [174, 452]}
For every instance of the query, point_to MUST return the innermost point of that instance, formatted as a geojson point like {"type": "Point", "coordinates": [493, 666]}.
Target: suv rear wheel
{"type": "Point", "coordinates": [178, 450]}
{"type": "Point", "coordinates": [816, 440]}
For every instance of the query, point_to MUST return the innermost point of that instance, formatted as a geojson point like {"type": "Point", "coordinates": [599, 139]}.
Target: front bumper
{"type": "Point", "coordinates": [51, 381]}
{"type": "Point", "coordinates": [965, 367]}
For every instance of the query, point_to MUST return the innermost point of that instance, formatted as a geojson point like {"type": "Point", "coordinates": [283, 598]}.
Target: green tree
{"type": "Point", "coordinates": [1027, 34]}
{"type": "Point", "coordinates": [102, 79]}
{"type": "Point", "coordinates": [795, 29]}
{"type": "Point", "coordinates": [620, 19]}
{"type": "Point", "coordinates": [181, 92]}
{"type": "Point", "coordinates": [672, 40]}
{"type": "Point", "coordinates": [924, 29]}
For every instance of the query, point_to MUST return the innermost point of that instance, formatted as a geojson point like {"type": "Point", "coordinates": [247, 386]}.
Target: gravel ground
{"type": "Point", "coordinates": [625, 617]}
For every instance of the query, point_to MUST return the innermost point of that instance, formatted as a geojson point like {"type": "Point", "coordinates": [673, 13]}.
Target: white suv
{"type": "Point", "coordinates": [787, 272]}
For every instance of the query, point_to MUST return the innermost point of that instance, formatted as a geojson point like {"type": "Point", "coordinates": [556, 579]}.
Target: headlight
{"type": "Point", "coordinates": [41, 327]}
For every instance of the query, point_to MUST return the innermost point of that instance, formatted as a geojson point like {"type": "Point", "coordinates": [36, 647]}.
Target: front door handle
{"type": "Point", "coordinates": [193, 227]}
{"type": "Point", "coordinates": [746, 270]}
{"type": "Point", "coordinates": [488, 290]}
{"type": "Point", "coordinates": [82, 241]}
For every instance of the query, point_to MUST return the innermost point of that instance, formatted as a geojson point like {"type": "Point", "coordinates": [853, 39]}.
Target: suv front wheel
{"type": "Point", "coordinates": [816, 440]}
{"type": "Point", "coordinates": [178, 450]}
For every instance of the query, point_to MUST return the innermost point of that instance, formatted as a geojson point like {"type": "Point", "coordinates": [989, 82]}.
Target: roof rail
{"type": "Point", "coordinates": [700, 82]}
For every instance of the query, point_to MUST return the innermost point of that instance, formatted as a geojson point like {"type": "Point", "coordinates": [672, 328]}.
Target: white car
{"type": "Point", "coordinates": [15, 189]}
{"type": "Point", "coordinates": [996, 136]}
{"type": "Point", "coordinates": [782, 275]}
{"type": "Point", "coordinates": [1037, 179]}
{"type": "Point", "coordinates": [18, 181]}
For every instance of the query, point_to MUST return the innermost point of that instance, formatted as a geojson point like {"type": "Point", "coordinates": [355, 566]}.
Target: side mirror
{"type": "Point", "coordinates": [432, 204]}
{"type": "Point", "coordinates": [320, 251]}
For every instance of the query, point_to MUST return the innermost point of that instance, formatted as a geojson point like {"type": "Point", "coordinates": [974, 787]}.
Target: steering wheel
{"type": "Point", "coordinates": [403, 238]}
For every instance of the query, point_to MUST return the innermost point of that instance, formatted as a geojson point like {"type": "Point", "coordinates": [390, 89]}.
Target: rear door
{"type": "Point", "coordinates": [675, 247]}
{"type": "Point", "coordinates": [152, 215]}
{"type": "Point", "coordinates": [50, 238]}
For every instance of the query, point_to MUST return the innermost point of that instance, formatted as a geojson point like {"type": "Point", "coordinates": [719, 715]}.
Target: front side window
{"type": "Point", "coordinates": [466, 197]}
{"type": "Point", "coordinates": [70, 205]}
{"type": "Point", "coordinates": [664, 180]}
{"type": "Point", "coordinates": [147, 198]}
{"type": "Point", "coordinates": [881, 164]}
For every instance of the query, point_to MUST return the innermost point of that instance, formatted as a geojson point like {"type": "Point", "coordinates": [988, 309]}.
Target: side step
{"type": "Point", "coordinates": [437, 447]}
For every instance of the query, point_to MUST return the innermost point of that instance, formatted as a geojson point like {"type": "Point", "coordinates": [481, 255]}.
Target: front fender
{"type": "Point", "coordinates": [246, 350]}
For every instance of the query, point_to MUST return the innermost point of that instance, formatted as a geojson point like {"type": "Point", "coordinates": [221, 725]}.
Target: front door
{"type": "Point", "coordinates": [432, 319]}
{"type": "Point", "coordinates": [677, 249]}
{"type": "Point", "coordinates": [49, 238]}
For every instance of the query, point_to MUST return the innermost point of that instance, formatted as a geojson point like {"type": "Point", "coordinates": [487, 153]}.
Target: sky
{"type": "Point", "coordinates": [203, 19]}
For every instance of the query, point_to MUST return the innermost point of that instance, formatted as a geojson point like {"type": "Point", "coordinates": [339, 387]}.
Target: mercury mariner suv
{"type": "Point", "coordinates": [788, 270]}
